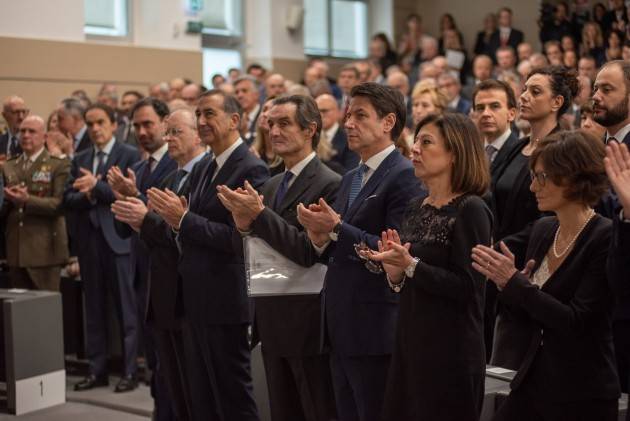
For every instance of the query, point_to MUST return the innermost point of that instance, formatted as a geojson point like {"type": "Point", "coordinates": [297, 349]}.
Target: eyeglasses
{"type": "Point", "coordinates": [540, 177]}
{"type": "Point", "coordinates": [372, 266]}
{"type": "Point", "coordinates": [23, 111]}
{"type": "Point", "coordinates": [174, 132]}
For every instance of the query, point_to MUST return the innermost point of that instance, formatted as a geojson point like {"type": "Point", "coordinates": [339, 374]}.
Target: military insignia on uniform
{"type": "Point", "coordinates": [42, 176]}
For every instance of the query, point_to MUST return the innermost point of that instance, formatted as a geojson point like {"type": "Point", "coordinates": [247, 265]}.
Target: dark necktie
{"type": "Point", "coordinates": [14, 147]}
{"type": "Point", "coordinates": [179, 176]}
{"type": "Point", "coordinates": [282, 189]}
{"type": "Point", "coordinates": [207, 180]}
{"type": "Point", "coordinates": [100, 163]}
{"type": "Point", "coordinates": [357, 183]}
{"type": "Point", "coordinates": [146, 174]}
{"type": "Point", "coordinates": [490, 150]}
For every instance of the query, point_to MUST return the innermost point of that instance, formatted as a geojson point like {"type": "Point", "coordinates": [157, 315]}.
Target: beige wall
{"type": "Point", "coordinates": [43, 72]}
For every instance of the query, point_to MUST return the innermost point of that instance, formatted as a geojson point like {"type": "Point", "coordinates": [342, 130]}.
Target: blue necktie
{"type": "Point", "coordinates": [357, 183]}
{"type": "Point", "coordinates": [282, 190]}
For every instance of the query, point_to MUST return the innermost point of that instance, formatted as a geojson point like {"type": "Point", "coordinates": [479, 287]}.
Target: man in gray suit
{"type": "Point", "coordinates": [298, 373]}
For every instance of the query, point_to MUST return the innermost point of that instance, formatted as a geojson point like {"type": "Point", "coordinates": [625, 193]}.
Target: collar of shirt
{"type": "Point", "coordinates": [453, 103]}
{"type": "Point", "coordinates": [620, 135]}
{"type": "Point", "coordinates": [500, 141]}
{"type": "Point", "coordinates": [226, 154]}
{"type": "Point", "coordinates": [190, 164]}
{"type": "Point", "coordinates": [505, 31]}
{"type": "Point", "coordinates": [375, 161]}
{"type": "Point", "coordinates": [330, 133]}
{"type": "Point", "coordinates": [299, 167]}
{"type": "Point", "coordinates": [107, 148]}
{"type": "Point", "coordinates": [80, 134]}
{"type": "Point", "coordinates": [34, 157]}
{"type": "Point", "coordinates": [159, 154]}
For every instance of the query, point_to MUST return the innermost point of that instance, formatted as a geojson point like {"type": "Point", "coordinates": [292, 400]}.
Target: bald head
{"type": "Point", "coordinates": [400, 82]}
{"type": "Point", "coordinates": [14, 111]}
{"type": "Point", "coordinates": [274, 85]}
{"type": "Point", "coordinates": [32, 134]}
{"type": "Point", "coordinates": [329, 110]}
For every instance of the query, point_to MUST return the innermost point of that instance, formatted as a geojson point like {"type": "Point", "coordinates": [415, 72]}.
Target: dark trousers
{"type": "Point", "coordinates": [172, 393]}
{"type": "Point", "coordinates": [621, 337]}
{"type": "Point", "coordinates": [520, 406]}
{"type": "Point", "coordinates": [300, 388]}
{"type": "Point", "coordinates": [359, 384]}
{"type": "Point", "coordinates": [103, 272]}
{"type": "Point", "coordinates": [217, 359]}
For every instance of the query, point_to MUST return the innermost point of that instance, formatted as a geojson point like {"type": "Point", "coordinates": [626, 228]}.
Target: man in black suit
{"type": "Point", "coordinates": [343, 159]}
{"type": "Point", "coordinates": [494, 105]}
{"type": "Point", "coordinates": [103, 254]}
{"type": "Point", "coordinates": [360, 310]}
{"type": "Point", "coordinates": [289, 326]}
{"type": "Point", "coordinates": [505, 35]}
{"type": "Point", "coordinates": [452, 88]}
{"type": "Point", "coordinates": [14, 112]}
{"type": "Point", "coordinates": [616, 19]}
{"type": "Point", "coordinates": [213, 274]}
{"type": "Point", "coordinates": [72, 124]}
{"type": "Point", "coordinates": [147, 117]}
{"type": "Point", "coordinates": [247, 91]}
{"type": "Point", "coordinates": [164, 309]}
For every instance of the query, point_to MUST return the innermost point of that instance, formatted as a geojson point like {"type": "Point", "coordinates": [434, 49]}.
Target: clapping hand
{"type": "Point", "coordinates": [131, 211]}
{"type": "Point", "coordinates": [125, 186]}
{"type": "Point", "coordinates": [617, 164]}
{"type": "Point", "coordinates": [318, 219]}
{"type": "Point", "coordinates": [168, 205]}
{"type": "Point", "coordinates": [392, 254]}
{"type": "Point", "coordinates": [498, 267]}
{"type": "Point", "coordinates": [17, 194]}
{"type": "Point", "coordinates": [86, 182]}
{"type": "Point", "coordinates": [244, 204]}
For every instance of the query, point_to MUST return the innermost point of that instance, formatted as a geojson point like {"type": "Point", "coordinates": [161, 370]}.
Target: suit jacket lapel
{"type": "Point", "coordinates": [374, 181]}
{"type": "Point", "coordinates": [300, 184]}
{"type": "Point", "coordinates": [112, 159]}
{"type": "Point", "coordinates": [163, 167]}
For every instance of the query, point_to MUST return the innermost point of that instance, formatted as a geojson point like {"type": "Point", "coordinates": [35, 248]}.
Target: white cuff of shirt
{"type": "Point", "coordinates": [176, 231]}
{"type": "Point", "coordinates": [622, 218]}
{"type": "Point", "coordinates": [322, 249]}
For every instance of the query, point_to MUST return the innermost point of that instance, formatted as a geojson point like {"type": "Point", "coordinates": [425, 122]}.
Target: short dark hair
{"type": "Point", "coordinates": [552, 43]}
{"type": "Point", "coordinates": [471, 173]}
{"type": "Point", "coordinates": [625, 68]}
{"type": "Point", "coordinates": [160, 107]}
{"type": "Point", "coordinates": [256, 66]}
{"type": "Point", "coordinates": [134, 93]}
{"type": "Point", "coordinates": [499, 85]}
{"type": "Point", "coordinates": [306, 113]}
{"type": "Point", "coordinates": [575, 160]}
{"type": "Point", "coordinates": [111, 114]}
{"type": "Point", "coordinates": [563, 82]}
{"type": "Point", "coordinates": [230, 103]}
{"type": "Point", "coordinates": [385, 100]}
{"type": "Point", "coordinates": [508, 48]}
{"type": "Point", "coordinates": [506, 9]}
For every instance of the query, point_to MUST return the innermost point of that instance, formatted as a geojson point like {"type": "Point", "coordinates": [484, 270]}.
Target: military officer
{"type": "Point", "coordinates": [36, 239]}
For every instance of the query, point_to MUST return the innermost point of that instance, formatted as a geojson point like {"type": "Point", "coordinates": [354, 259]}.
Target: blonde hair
{"type": "Point", "coordinates": [438, 98]}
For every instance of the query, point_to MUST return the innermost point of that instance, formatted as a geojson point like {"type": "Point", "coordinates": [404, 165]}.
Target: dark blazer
{"type": "Point", "coordinates": [504, 156]}
{"type": "Point", "coordinates": [4, 144]}
{"type": "Point", "coordinates": [463, 106]}
{"type": "Point", "coordinates": [619, 269]}
{"type": "Point", "coordinates": [360, 309]}
{"type": "Point", "coordinates": [345, 157]}
{"type": "Point", "coordinates": [289, 326]}
{"type": "Point", "coordinates": [609, 206]}
{"type": "Point", "coordinates": [98, 209]}
{"type": "Point", "coordinates": [84, 143]}
{"type": "Point", "coordinates": [515, 38]}
{"type": "Point", "coordinates": [482, 45]}
{"type": "Point", "coordinates": [570, 355]}
{"type": "Point", "coordinates": [213, 273]}
{"type": "Point", "coordinates": [165, 284]}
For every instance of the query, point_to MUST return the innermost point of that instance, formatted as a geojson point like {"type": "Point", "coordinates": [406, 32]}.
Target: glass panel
{"type": "Point", "coordinates": [316, 27]}
{"type": "Point", "coordinates": [349, 29]}
{"type": "Point", "coordinates": [105, 17]}
{"type": "Point", "coordinates": [222, 17]}
{"type": "Point", "coordinates": [217, 60]}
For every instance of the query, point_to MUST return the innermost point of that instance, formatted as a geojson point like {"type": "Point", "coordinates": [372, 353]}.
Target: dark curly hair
{"type": "Point", "coordinates": [563, 82]}
{"type": "Point", "coordinates": [575, 160]}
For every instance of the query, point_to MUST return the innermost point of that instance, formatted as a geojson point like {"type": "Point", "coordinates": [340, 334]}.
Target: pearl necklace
{"type": "Point", "coordinates": [555, 239]}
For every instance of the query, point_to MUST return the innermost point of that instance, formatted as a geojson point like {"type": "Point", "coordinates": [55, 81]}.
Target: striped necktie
{"type": "Point", "coordinates": [357, 183]}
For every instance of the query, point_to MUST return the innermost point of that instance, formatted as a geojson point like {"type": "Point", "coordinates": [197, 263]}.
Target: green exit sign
{"type": "Point", "coordinates": [194, 27]}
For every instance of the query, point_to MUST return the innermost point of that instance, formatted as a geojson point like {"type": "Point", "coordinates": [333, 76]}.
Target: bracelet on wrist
{"type": "Point", "coordinates": [395, 287]}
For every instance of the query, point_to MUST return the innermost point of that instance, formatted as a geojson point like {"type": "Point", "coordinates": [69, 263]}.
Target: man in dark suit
{"type": "Point", "coordinates": [247, 91]}
{"type": "Point", "coordinates": [482, 70]}
{"type": "Point", "coordinates": [147, 117]}
{"type": "Point", "coordinates": [14, 112]}
{"type": "Point", "coordinates": [72, 124]}
{"type": "Point", "coordinates": [360, 310]}
{"type": "Point", "coordinates": [164, 309]}
{"type": "Point", "coordinates": [343, 159]}
{"type": "Point", "coordinates": [103, 254]}
{"type": "Point", "coordinates": [494, 105]}
{"type": "Point", "coordinates": [505, 35]}
{"type": "Point", "coordinates": [289, 326]}
{"type": "Point", "coordinates": [617, 18]}
{"type": "Point", "coordinates": [125, 132]}
{"type": "Point", "coordinates": [452, 88]}
{"type": "Point", "coordinates": [213, 275]}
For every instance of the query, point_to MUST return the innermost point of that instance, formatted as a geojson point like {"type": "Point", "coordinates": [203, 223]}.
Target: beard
{"type": "Point", "coordinates": [613, 116]}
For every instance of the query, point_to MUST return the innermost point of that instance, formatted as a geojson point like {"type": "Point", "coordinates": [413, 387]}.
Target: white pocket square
{"type": "Point", "coordinates": [371, 197]}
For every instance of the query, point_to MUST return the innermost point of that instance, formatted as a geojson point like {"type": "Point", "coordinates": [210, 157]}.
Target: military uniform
{"type": "Point", "coordinates": [36, 237]}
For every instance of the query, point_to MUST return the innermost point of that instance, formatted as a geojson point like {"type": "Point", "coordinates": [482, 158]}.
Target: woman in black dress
{"type": "Point", "coordinates": [438, 365]}
{"type": "Point", "coordinates": [562, 299]}
{"type": "Point", "coordinates": [549, 92]}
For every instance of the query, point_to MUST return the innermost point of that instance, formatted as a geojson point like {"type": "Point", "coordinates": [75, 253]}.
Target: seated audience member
{"type": "Point", "coordinates": [190, 93]}
{"type": "Point", "coordinates": [524, 51]}
{"type": "Point", "coordinates": [625, 51]}
{"type": "Point", "coordinates": [482, 44]}
{"type": "Point", "coordinates": [429, 264]}
{"type": "Point", "coordinates": [524, 68]}
{"type": "Point", "coordinates": [506, 60]}
{"type": "Point", "coordinates": [548, 94]}
{"type": "Point", "coordinates": [561, 297]}
{"type": "Point", "coordinates": [427, 99]}
{"type": "Point", "coordinates": [262, 146]}
{"type": "Point", "coordinates": [399, 81]}
{"type": "Point", "coordinates": [36, 239]}
{"type": "Point", "coordinates": [593, 43]}
{"type": "Point", "coordinates": [482, 70]}
{"type": "Point", "coordinates": [570, 59]}
{"type": "Point", "coordinates": [554, 53]}
{"type": "Point", "coordinates": [274, 85]}
{"type": "Point", "coordinates": [568, 44]}
{"type": "Point", "coordinates": [451, 87]}
{"type": "Point", "coordinates": [334, 135]}
{"type": "Point", "coordinates": [348, 77]}
{"type": "Point", "coordinates": [587, 66]}
{"type": "Point", "coordinates": [587, 123]}
{"type": "Point", "coordinates": [538, 60]}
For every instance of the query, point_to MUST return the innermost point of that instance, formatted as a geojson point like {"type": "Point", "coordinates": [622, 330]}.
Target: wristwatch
{"type": "Point", "coordinates": [409, 270]}
{"type": "Point", "coordinates": [334, 234]}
